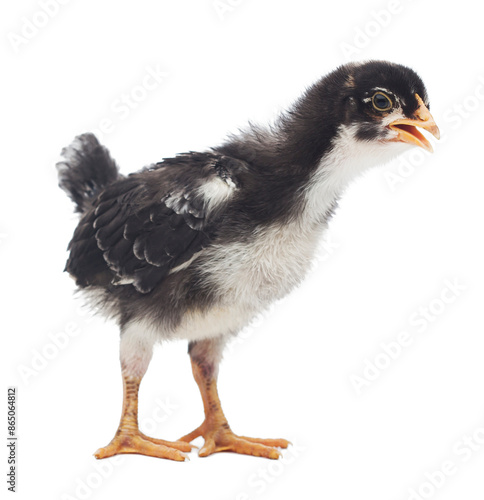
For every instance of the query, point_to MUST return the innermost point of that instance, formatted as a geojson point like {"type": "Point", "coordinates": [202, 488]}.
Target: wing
{"type": "Point", "coordinates": [154, 222]}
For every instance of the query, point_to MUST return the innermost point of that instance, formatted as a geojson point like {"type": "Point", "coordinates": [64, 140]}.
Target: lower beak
{"type": "Point", "coordinates": [407, 128]}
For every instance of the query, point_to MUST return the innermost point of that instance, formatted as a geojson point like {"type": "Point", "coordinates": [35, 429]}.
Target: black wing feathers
{"type": "Point", "coordinates": [147, 224]}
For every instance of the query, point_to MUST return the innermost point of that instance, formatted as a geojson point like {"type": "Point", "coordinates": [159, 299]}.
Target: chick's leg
{"type": "Point", "coordinates": [135, 359]}
{"type": "Point", "coordinates": [205, 356]}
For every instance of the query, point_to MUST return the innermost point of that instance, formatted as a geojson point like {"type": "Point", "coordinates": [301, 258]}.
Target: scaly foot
{"type": "Point", "coordinates": [221, 438]}
{"type": "Point", "coordinates": [125, 442]}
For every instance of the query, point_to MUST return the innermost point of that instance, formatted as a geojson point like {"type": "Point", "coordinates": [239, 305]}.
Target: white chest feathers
{"type": "Point", "coordinates": [271, 264]}
{"type": "Point", "coordinates": [248, 276]}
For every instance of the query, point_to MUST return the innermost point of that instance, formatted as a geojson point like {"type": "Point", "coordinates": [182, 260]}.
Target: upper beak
{"type": "Point", "coordinates": [407, 128]}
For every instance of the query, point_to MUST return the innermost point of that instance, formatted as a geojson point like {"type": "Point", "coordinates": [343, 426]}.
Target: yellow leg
{"type": "Point", "coordinates": [215, 428]}
{"type": "Point", "coordinates": [129, 439]}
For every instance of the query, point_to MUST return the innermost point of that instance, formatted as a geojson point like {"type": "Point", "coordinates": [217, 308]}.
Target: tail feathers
{"type": "Point", "coordinates": [86, 169]}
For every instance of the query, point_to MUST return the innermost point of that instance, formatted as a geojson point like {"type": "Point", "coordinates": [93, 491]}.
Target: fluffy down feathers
{"type": "Point", "coordinates": [86, 170]}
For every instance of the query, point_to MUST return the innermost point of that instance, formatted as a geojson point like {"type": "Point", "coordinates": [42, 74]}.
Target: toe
{"type": "Point", "coordinates": [192, 435]}
{"type": "Point", "coordinates": [243, 446]}
{"type": "Point", "coordinates": [178, 445]}
{"type": "Point", "coordinates": [136, 444]}
{"type": "Point", "coordinates": [208, 448]}
{"type": "Point", "coordinates": [102, 453]}
{"type": "Point", "coordinates": [277, 443]}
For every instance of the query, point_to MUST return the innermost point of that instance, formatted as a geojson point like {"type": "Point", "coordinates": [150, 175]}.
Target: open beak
{"type": "Point", "coordinates": [407, 128]}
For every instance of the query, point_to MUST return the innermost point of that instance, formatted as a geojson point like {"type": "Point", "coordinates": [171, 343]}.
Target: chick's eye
{"type": "Point", "coordinates": [381, 102]}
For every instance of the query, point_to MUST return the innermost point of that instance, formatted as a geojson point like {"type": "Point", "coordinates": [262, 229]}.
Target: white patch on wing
{"type": "Point", "coordinates": [185, 264]}
{"type": "Point", "coordinates": [216, 191]}
{"type": "Point", "coordinates": [122, 281]}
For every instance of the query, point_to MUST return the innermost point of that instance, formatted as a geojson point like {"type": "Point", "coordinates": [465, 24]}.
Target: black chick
{"type": "Point", "coordinates": [195, 246]}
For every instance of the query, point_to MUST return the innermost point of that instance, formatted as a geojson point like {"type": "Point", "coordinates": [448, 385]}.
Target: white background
{"type": "Point", "coordinates": [401, 231]}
